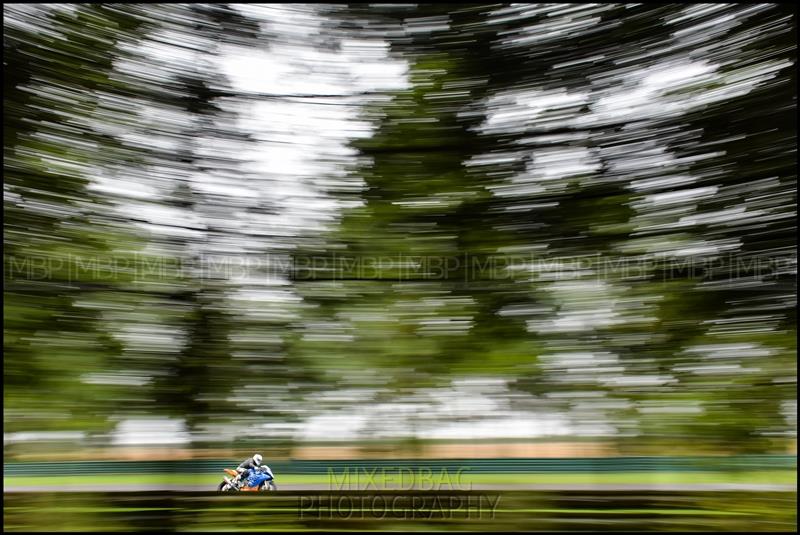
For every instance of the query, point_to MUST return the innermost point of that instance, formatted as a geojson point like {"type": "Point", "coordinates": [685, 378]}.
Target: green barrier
{"type": "Point", "coordinates": [549, 465]}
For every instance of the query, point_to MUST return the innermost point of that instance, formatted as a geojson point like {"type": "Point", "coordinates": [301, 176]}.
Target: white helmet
{"type": "Point", "coordinates": [257, 459]}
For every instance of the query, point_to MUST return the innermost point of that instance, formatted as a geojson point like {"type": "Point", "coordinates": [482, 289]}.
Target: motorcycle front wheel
{"type": "Point", "coordinates": [223, 487]}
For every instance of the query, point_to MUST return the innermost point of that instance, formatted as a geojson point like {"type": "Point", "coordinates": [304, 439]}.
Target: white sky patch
{"type": "Point", "coordinates": [122, 379]}
{"type": "Point", "coordinates": [524, 109]}
{"type": "Point", "coordinates": [476, 408]}
{"type": "Point", "coordinates": [556, 164]}
{"type": "Point", "coordinates": [151, 431]}
{"type": "Point", "coordinates": [513, 426]}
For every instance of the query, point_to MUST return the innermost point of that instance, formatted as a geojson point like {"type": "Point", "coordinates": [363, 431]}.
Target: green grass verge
{"type": "Point", "coordinates": [646, 511]}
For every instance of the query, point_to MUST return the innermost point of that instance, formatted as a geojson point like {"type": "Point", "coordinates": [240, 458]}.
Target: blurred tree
{"type": "Point", "coordinates": [61, 250]}
{"type": "Point", "coordinates": [223, 349]}
{"type": "Point", "coordinates": [595, 202]}
{"type": "Point", "coordinates": [617, 303]}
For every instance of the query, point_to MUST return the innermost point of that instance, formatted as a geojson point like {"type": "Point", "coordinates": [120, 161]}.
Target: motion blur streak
{"type": "Point", "coordinates": [399, 230]}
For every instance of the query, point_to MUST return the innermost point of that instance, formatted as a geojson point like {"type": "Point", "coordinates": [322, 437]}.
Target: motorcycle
{"type": "Point", "coordinates": [259, 479]}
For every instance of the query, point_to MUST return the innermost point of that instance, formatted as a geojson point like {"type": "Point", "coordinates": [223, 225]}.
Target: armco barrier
{"type": "Point", "coordinates": [603, 464]}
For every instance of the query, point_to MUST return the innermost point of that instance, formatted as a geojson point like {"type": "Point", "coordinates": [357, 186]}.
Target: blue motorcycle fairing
{"type": "Point", "coordinates": [257, 477]}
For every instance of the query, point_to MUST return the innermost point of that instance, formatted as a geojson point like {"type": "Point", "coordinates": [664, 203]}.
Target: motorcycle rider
{"type": "Point", "coordinates": [245, 466]}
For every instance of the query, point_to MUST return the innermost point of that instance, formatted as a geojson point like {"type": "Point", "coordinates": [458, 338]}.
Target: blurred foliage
{"type": "Point", "coordinates": [513, 511]}
{"type": "Point", "coordinates": [592, 204]}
